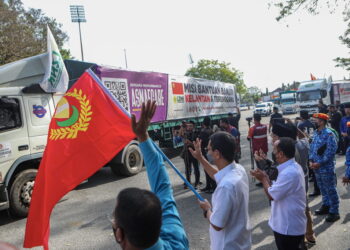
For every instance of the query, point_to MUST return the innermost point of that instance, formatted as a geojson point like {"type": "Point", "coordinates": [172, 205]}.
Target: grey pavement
{"type": "Point", "coordinates": [80, 219]}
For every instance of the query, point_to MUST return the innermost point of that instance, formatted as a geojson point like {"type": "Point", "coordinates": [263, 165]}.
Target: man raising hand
{"type": "Point", "coordinates": [228, 217]}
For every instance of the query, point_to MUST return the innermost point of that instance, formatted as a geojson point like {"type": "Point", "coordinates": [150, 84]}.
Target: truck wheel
{"type": "Point", "coordinates": [132, 161]}
{"type": "Point", "coordinates": [21, 192]}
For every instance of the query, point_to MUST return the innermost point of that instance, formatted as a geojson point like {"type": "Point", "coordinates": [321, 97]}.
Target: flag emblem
{"type": "Point", "coordinates": [178, 88]}
{"type": "Point", "coordinates": [73, 114]}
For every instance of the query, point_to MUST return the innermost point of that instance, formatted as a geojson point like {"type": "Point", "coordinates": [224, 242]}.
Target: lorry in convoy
{"type": "Point", "coordinates": [266, 98]}
{"type": "Point", "coordinates": [26, 111]}
{"type": "Point", "coordinates": [310, 92]}
{"type": "Point", "coordinates": [340, 91]}
{"type": "Point", "coordinates": [289, 103]}
{"type": "Point", "coordinates": [275, 99]}
{"type": "Point", "coordinates": [330, 92]}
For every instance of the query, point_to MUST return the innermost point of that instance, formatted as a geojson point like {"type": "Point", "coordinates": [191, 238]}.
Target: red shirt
{"type": "Point", "coordinates": [258, 135]}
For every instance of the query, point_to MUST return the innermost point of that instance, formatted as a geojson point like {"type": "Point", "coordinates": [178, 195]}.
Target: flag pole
{"type": "Point", "coordinates": [178, 172]}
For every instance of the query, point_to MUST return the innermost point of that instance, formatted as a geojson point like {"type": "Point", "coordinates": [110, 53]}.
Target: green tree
{"type": "Point", "coordinates": [218, 71]}
{"type": "Point", "coordinates": [23, 32]}
{"type": "Point", "coordinates": [65, 53]}
{"type": "Point", "coordinates": [253, 95]}
{"type": "Point", "coordinates": [251, 99]}
{"type": "Point", "coordinates": [287, 8]}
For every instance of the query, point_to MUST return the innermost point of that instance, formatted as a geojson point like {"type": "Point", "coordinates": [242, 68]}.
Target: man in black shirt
{"type": "Point", "coordinates": [275, 118]}
{"type": "Point", "coordinates": [340, 107]}
{"type": "Point", "coordinates": [204, 135]}
{"type": "Point", "coordinates": [190, 136]}
{"type": "Point", "coordinates": [304, 123]}
{"type": "Point", "coordinates": [234, 120]}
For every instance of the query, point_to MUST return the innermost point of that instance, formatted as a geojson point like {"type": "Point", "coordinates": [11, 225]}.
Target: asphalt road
{"type": "Point", "coordinates": [80, 219]}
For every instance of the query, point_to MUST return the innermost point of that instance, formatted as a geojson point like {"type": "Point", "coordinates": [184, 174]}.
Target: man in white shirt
{"type": "Point", "coordinates": [228, 217]}
{"type": "Point", "coordinates": [288, 196]}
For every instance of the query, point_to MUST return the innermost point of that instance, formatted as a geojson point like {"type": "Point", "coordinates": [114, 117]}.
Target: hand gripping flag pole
{"type": "Point", "coordinates": [165, 158]}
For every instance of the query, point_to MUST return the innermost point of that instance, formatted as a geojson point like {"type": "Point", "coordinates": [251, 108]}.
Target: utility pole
{"type": "Point", "coordinates": [190, 59]}
{"type": "Point", "coordinates": [126, 61]}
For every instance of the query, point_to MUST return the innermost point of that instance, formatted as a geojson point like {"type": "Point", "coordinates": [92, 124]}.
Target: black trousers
{"type": "Point", "coordinates": [345, 143]}
{"type": "Point", "coordinates": [289, 242]}
{"type": "Point", "coordinates": [210, 183]}
{"type": "Point", "coordinates": [339, 141]}
{"type": "Point", "coordinates": [312, 174]}
{"type": "Point", "coordinates": [189, 161]}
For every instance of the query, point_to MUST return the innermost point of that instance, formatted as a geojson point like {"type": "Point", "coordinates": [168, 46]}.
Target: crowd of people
{"type": "Point", "coordinates": [188, 134]}
{"type": "Point", "coordinates": [316, 143]}
{"type": "Point", "coordinates": [300, 147]}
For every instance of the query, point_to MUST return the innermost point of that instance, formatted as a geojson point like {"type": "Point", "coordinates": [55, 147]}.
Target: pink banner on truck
{"type": "Point", "coordinates": [132, 88]}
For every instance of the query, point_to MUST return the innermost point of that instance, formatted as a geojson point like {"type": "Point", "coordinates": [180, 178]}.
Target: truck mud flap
{"type": "Point", "coordinates": [4, 200]}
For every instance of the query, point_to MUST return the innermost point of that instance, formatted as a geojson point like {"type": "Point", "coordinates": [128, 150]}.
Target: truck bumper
{"type": "Point", "coordinates": [261, 113]}
{"type": "Point", "coordinates": [289, 111]}
{"type": "Point", "coordinates": [4, 201]}
{"type": "Point", "coordinates": [310, 110]}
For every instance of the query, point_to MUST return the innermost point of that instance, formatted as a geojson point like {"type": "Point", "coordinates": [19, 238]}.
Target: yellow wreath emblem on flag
{"type": "Point", "coordinates": [71, 132]}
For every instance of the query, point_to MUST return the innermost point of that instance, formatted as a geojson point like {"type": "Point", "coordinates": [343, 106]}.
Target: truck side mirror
{"type": "Point", "coordinates": [323, 93]}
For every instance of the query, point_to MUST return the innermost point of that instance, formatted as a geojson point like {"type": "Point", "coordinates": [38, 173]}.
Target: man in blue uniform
{"type": "Point", "coordinates": [322, 160]}
{"type": "Point", "coordinates": [346, 177]}
{"type": "Point", "coordinates": [343, 128]}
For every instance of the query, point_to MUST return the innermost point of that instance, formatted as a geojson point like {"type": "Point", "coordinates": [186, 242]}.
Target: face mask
{"type": "Point", "coordinates": [210, 158]}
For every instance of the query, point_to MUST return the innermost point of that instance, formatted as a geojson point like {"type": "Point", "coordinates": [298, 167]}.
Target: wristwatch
{"type": "Point", "coordinates": [205, 213]}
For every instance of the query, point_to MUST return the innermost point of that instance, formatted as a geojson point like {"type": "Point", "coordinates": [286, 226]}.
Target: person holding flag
{"type": "Point", "coordinates": [88, 129]}
{"type": "Point", "coordinates": [144, 219]}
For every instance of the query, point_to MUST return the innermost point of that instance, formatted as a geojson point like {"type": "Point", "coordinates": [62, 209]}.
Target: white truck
{"type": "Point", "coordinates": [310, 92]}
{"type": "Point", "coordinates": [289, 103]}
{"type": "Point", "coordinates": [341, 91]}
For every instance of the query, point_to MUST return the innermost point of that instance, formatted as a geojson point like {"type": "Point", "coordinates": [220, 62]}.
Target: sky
{"type": "Point", "coordinates": [158, 35]}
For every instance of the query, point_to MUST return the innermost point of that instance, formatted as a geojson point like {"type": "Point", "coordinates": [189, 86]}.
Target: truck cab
{"type": "Point", "coordinates": [289, 102]}
{"type": "Point", "coordinates": [310, 92]}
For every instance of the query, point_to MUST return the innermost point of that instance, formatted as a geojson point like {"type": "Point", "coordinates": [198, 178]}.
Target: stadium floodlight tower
{"type": "Point", "coordinates": [78, 16]}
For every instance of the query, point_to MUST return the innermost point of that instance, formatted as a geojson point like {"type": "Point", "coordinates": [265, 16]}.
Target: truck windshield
{"type": "Point", "coordinates": [260, 105]}
{"type": "Point", "coordinates": [288, 100]}
{"type": "Point", "coordinates": [308, 96]}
